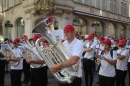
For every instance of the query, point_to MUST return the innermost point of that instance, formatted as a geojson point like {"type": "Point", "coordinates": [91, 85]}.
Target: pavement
{"type": "Point", "coordinates": [52, 81]}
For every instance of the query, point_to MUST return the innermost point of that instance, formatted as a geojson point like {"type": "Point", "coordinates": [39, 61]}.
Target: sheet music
{"type": "Point", "coordinates": [4, 47]}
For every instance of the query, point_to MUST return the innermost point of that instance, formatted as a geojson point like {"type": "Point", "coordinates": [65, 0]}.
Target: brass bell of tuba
{"type": "Point", "coordinates": [54, 53]}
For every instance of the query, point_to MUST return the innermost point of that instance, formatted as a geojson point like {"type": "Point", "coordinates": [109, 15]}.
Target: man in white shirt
{"type": "Point", "coordinates": [38, 75]}
{"type": "Point", "coordinates": [107, 70]}
{"type": "Point", "coordinates": [121, 66]}
{"type": "Point", "coordinates": [16, 70]}
{"type": "Point", "coordinates": [88, 60]}
{"type": "Point", "coordinates": [74, 48]}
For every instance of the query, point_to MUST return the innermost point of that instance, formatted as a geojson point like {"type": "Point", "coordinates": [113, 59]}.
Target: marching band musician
{"type": "Point", "coordinates": [26, 67]}
{"type": "Point", "coordinates": [88, 60]}
{"type": "Point", "coordinates": [74, 47]}
{"type": "Point", "coordinates": [2, 68]}
{"type": "Point", "coordinates": [38, 75]}
{"type": "Point", "coordinates": [17, 69]}
{"type": "Point", "coordinates": [100, 46]}
{"type": "Point", "coordinates": [107, 69]}
{"type": "Point", "coordinates": [121, 66]}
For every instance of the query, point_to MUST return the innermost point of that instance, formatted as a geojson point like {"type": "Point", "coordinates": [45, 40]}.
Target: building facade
{"type": "Point", "coordinates": [104, 17]}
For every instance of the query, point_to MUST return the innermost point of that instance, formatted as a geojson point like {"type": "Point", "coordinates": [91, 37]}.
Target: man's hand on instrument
{"type": "Point", "coordinates": [8, 59]}
{"type": "Point", "coordinates": [55, 68]}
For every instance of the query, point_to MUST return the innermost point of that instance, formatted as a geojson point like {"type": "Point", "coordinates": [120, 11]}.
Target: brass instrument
{"type": "Point", "coordinates": [29, 53]}
{"type": "Point", "coordinates": [7, 51]}
{"type": "Point", "coordinates": [55, 53]}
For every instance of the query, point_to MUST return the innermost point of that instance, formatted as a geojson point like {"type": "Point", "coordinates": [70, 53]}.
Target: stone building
{"type": "Point", "coordinates": [104, 17]}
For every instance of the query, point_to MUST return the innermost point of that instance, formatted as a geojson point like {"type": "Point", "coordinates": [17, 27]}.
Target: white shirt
{"type": "Point", "coordinates": [17, 54]}
{"type": "Point", "coordinates": [99, 48]}
{"type": "Point", "coordinates": [106, 69]}
{"type": "Point", "coordinates": [122, 64]}
{"type": "Point", "coordinates": [75, 48]}
{"type": "Point", "coordinates": [90, 54]}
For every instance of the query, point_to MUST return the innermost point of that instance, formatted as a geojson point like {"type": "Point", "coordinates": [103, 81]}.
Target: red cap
{"type": "Point", "coordinates": [51, 19]}
{"type": "Point", "coordinates": [69, 27]}
{"type": "Point", "coordinates": [116, 39]}
{"type": "Point", "coordinates": [90, 36]}
{"type": "Point", "coordinates": [107, 41]}
{"type": "Point", "coordinates": [16, 40]}
{"type": "Point", "coordinates": [121, 42]}
{"type": "Point", "coordinates": [77, 37]}
{"type": "Point", "coordinates": [31, 39]}
{"type": "Point", "coordinates": [62, 40]}
{"type": "Point", "coordinates": [24, 37]}
{"type": "Point", "coordinates": [44, 41]}
{"type": "Point", "coordinates": [35, 37]}
{"type": "Point", "coordinates": [124, 40]}
{"type": "Point", "coordinates": [101, 38]}
{"type": "Point", "coordinates": [109, 37]}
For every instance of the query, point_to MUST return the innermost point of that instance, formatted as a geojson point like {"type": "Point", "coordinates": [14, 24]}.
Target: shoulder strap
{"type": "Point", "coordinates": [102, 52]}
{"type": "Point", "coordinates": [111, 52]}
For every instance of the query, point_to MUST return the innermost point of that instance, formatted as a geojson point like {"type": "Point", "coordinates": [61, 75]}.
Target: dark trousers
{"type": "Point", "coordinates": [88, 67]}
{"type": "Point", "coordinates": [2, 72]}
{"type": "Point", "coordinates": [77, 82]}
{"type": "Point", "coordinates": [129, 71]}
{"type": "Point", "coordinates": [39, 76]}
{"type": "Point", "coordinates": [106, 81]}
{"type": "Point", "coordinates": [26, 71]}
{"type": "Point", "coordinates": [15, 77]}
{"type": "Point", "coordinates": [120, 77]}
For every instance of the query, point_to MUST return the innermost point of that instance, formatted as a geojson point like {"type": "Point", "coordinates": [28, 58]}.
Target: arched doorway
{"type": "Point", "coordinates": [8, 30]}
{"type": "Point", "coordinates": [98, 28]}
{"type": "Point", "coordinates": [111, 30]}
{"type": "Point", "coordinates": [20, 27]}
{"type": "Point", "coordinates": [80, 26]}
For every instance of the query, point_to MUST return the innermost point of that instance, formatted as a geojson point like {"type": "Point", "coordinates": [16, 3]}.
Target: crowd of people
{"type": "Point", "coordinates": [106, 55]}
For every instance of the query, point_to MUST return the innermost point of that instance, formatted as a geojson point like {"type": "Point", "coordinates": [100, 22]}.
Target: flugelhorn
{"type": "Point", "coordinates": [55, 53]}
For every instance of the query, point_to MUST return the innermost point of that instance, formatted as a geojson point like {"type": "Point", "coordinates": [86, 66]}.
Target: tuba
{"type": "Point", "coordinates": [55, 53]}
{"type": "Point", "coordinates": [29, 53]}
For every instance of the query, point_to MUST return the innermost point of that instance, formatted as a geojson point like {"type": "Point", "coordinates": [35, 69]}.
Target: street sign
{"type": "Point", "coordinates": [8, 25]}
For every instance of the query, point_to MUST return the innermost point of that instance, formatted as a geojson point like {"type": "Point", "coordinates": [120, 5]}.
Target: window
{"type": "Point", "coordinates": [17, 1]}
{"type": "Point", "coordinates": [113, 6]}
{"type": "Point", "coordinates": [20, 28]}
{"type": "Point", "coordinates": [98, 28]}
{"type": "Point", "coordinates": [102, 4]}
{"type": "Point", "coordinates": [7, 4]}
{"type": "Point", "coordinates": [123, 8]}
{"type": "Point", "coordinates": [80, 26]}
{"type": "Point", "coordinates": [97, 3]}
{"type": "Point", "coordinates": [9, 31]}
{"type": "Point", "coordinates": [82, 1]}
